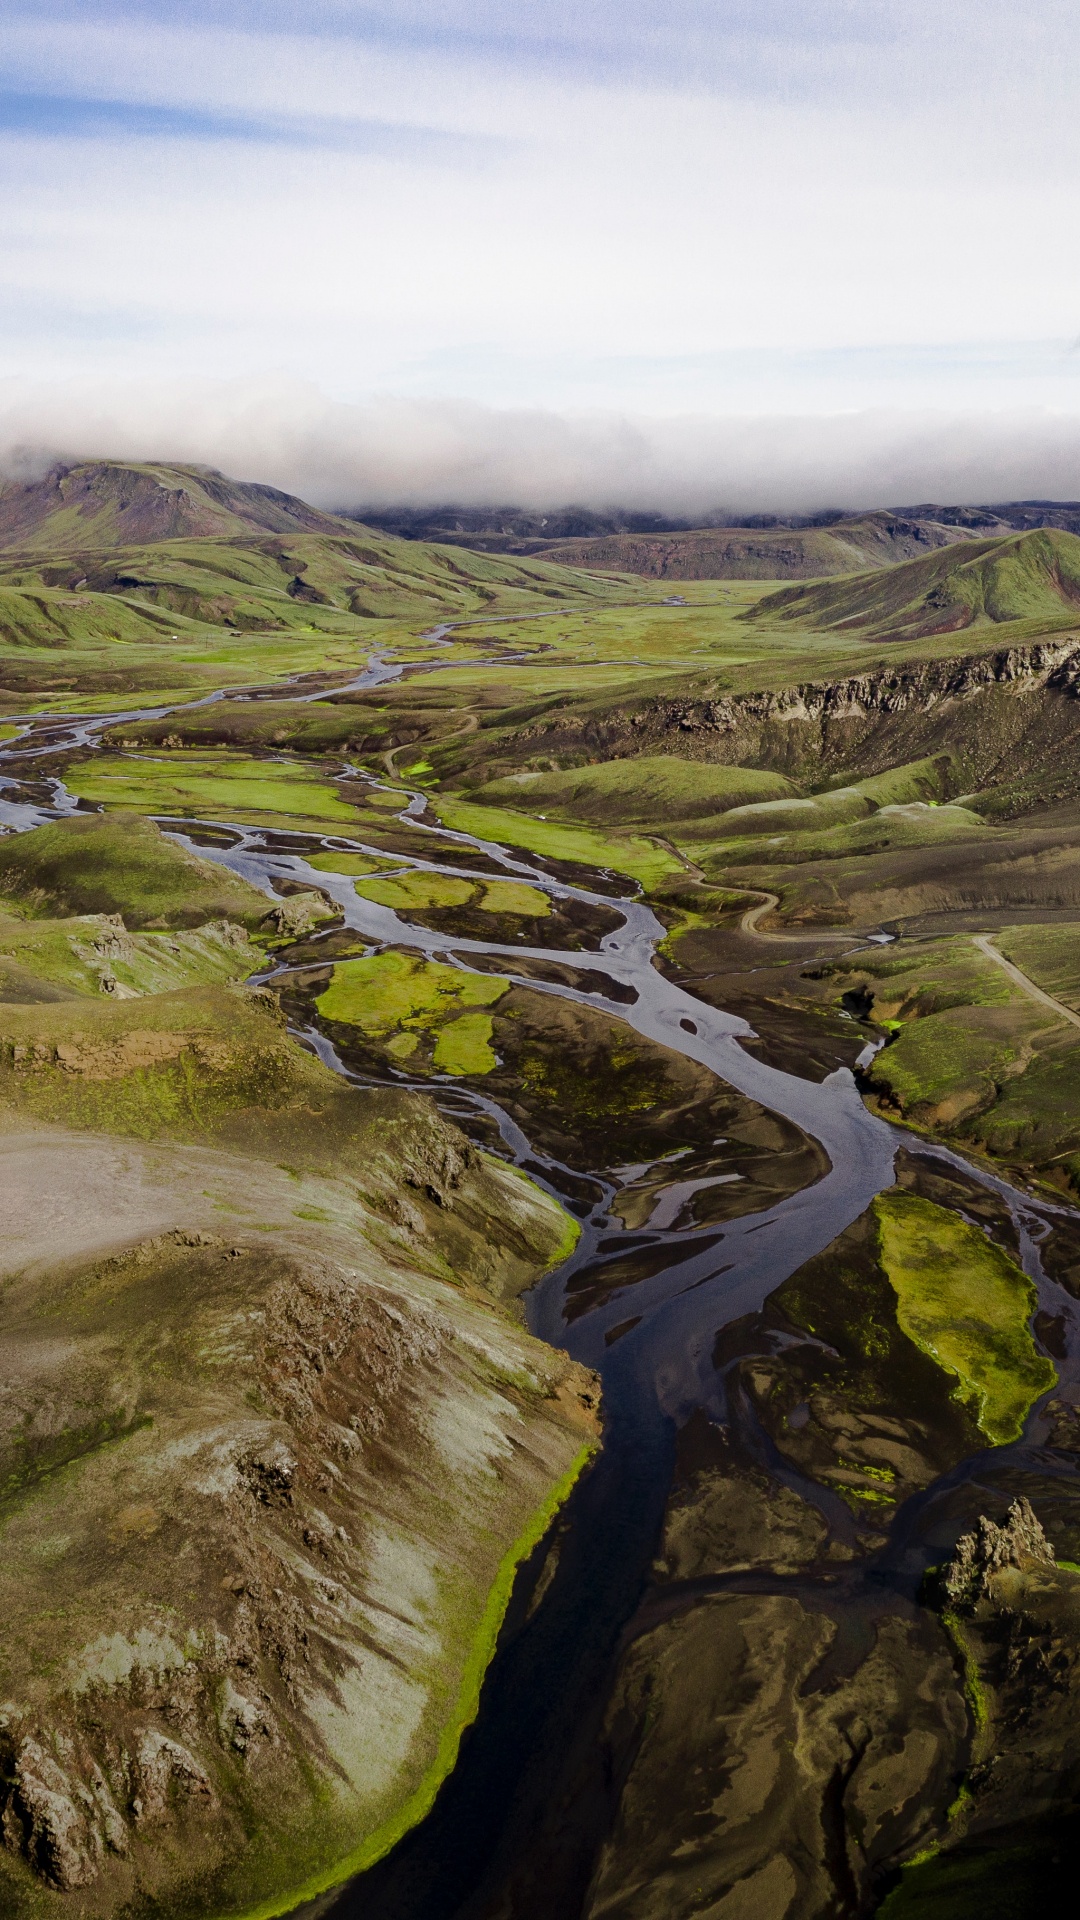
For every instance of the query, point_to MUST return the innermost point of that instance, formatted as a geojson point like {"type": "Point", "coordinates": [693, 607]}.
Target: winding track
{"type": "Point", "coordinates": [1021, 980]}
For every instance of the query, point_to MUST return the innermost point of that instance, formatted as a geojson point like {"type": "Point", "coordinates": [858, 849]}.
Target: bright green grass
{"type": "Point", "coordinates": [515, 896]}
{"type": "Point", "coordinates": [417, 890]}
{"type": "Point", "coordinates": [408, 892]}
{"type": "Point", "coordinates": [219, 785]}
{"type": "Point", "coordinates": [638, 858]}
{"type": "Point", "coordinates": [654, 788]}
{"type": "Point", "coordinates": [464, 1045]}
{"type": "Point", "coordinates": [400, 995]}
{"type": "Point", "coordinates": [354, 865]}
{"type": "Point", "coordinates": [120, 864]}
{"type": "Point", "coordinates": [966, 1304]}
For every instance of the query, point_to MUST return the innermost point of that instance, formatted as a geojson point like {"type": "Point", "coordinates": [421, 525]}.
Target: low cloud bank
{"type": "Point", "coordinates": [431, 452]}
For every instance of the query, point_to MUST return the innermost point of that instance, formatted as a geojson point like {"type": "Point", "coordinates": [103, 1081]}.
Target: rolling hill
{"type": "Point", "coordinates": [1028, 576]}
{"type": "Point", "coordinates": [108, 550]}
{"type": "Point", "coordinates": [107, 503]}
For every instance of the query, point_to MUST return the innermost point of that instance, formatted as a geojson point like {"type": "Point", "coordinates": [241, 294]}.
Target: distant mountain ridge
{"type": "Point", "coordinates": [722, 545]}
{"type": "Point", "coordinates": [107, 503]}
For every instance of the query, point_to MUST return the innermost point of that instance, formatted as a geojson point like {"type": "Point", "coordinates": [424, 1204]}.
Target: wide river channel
{"type": "Point", "coordinates": [514, 1831]}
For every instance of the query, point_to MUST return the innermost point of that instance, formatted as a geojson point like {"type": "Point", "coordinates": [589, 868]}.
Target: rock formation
{"type": "Point", "coordinates": [1017, 1542]}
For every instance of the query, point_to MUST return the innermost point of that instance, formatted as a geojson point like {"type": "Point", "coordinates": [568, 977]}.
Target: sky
{"type": "Point", "coordinates": [787, 253]}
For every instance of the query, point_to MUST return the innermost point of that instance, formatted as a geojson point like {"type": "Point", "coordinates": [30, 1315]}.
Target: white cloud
{"type": "Point", "coordinates": [428, 451]}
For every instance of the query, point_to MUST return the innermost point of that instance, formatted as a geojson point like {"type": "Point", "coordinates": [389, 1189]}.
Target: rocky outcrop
{"type": "Point", "coordinates": [1018, 1542]}
{"type": "Point", "coordinates": [1051, 663]}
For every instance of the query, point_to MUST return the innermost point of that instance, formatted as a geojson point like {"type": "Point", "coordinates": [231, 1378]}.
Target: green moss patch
{"type": "Point", "coordinates": [464, 1045]}
{"type": "Point", "coordinates": [398, 994]}
{"type": "Point", "coordinates": [579, 845]}
{"type": "Point", "coordinates": [515, 896]}
{"type": "Point", "coordinates": [221, 785]}
{"type": "Point", "coordinates": [422, 892]}
{"type": "Point", "coordinates": [355, 864]}
{"type": "Point", "coordinates": [964, 1302]}
{"type": "Point", "coordinates": [121, 865]}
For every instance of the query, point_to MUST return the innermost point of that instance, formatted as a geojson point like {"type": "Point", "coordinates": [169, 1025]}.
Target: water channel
{"type": "Point", "coordinates": [515, 1828]}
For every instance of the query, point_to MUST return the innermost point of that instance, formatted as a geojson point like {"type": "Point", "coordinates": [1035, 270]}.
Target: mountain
{"type": "Point", "coordinates": [1028, 576]}
{"type": "Point", "coordinates": [722, 545]}
{"type": "Point", "coordinates": [108, 503]}
{"type": "Point", "coordinates": [759, 553]}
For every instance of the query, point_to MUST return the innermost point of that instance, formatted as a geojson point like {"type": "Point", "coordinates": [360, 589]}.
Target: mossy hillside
{"type": "Point", "coordinates": [1049, 955]}
{"type": "Point", "coordinates": [215, 1064]}
{"type": "Point", "coordinates": [639, 858]}
{"type": "Point", "coordinates": [929, 873]}
{"type": "Point", "coordinates": [961, 1030]}
{"type": "Point", "coordinates": [176, 1062]}
{"type": "Point", "coordinates": [1034, 1120]}
{"type": "Point", "coordinates": [969, 1053]}
{"type": "Point", "coordinates": [930, 780]}
{"type": "Point", "coordinates": [652, 789]}
{"type": "Point", "coordinates": [44, 620]}
{"type": "Point", "coordinates": [814, 812]}
{"type": "Point", "coordinates": [968, 1305]}
{"type": "Point", "coordinates": [951, 1067]}
{"type": "Point", "coordinates": [399, 999]}
{"type": "Point", "coordinates": [94, 954]}
{"type": "Point", "coordinates": [121, 864]}
{"type": "Point", "coordinates": [222, 786]}
{"type": "Point", "coordinates": [1031, 577]}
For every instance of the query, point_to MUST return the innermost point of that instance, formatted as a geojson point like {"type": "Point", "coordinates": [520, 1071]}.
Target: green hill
{"type": "Point", "coordinates": [107, 503]}
{"type": "Point", "coordinates": [1028, 576]}
{"type": "Point", "coordinates": [109, 552]}
{"type": "Point", "coordinates": [261, 582]}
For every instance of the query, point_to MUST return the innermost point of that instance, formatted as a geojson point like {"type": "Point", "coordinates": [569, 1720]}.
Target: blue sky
{"type": "Point", "coordinates": [795, 209]}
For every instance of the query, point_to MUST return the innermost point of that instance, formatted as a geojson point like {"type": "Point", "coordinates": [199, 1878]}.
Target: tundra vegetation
{"type": "Point", "coordinates": [274, 1435]}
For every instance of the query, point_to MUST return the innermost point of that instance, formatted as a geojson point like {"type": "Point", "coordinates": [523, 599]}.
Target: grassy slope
{"type": "Point", "coordinates": [1030, 577]}
{"type": "Point", "coordinates": [121, 865]}
{"type": "Point", "coordinates": [627, 792]}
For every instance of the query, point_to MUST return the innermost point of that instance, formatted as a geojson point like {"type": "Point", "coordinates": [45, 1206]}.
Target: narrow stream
{"type": "Point", "coordinates": [513, 1833]}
